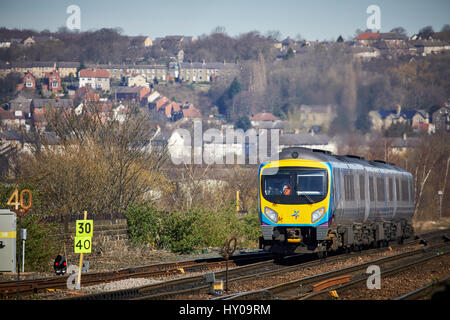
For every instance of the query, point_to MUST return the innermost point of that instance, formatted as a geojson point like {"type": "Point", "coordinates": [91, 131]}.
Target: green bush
{"type": "Point", "coordinates": [183, 232]}
{"type": "Point", "coordinates": [144, 224]}
{"type": "Point", "coordinates": [250, 228]}
{"type": "Point", "coordinates": [180, 233]}
{"type": "Point", "coordinates": [42, 244]}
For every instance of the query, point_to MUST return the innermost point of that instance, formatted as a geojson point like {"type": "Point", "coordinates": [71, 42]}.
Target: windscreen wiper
{"type": "Point", "coordinates": [306, 196]}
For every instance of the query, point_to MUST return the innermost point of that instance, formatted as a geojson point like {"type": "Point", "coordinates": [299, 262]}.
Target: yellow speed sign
{"type": "Point", "coordinates": [83, 244]}
{"type": "Point", "coordinates": [84, 228]}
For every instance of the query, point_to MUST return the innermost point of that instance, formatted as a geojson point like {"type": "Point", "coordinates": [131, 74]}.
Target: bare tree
{"type": "Point", "coordinates": [94, 162]}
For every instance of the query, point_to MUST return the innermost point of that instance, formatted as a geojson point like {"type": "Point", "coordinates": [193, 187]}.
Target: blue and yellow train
{"type": "Point", "coordinates": [313, 201]}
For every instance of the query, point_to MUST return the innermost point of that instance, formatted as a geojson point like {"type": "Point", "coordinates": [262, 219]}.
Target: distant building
{"type": "Point", "coordinates": [39, 68]}
{"type": "Point", "coordinates": [206, 71]}
{"type": "Point", "coordinates": [316, 115]}
{"type": "Point", "coordinates": [399, 146]}
{"type": "Point", "coordinates": [427, 47]}
{"type": "Point", "coordinates": [137, 81]}
{"type": "Point", "coordinates": [141, 42]}
{"type": "Point", "coordinates": [264, 120]}
{"type": "Point", "coordinates": [28, 82]}
{"type": "Point", "coordinates": [441, 118]}
{"type": "Point", "coordinates": [5, 43]}
{"type": "Point", "coordinates": [39, 107]}
{"type": "Point", "coordinates": [95, 78]}
{"type": "Point", "coordinates": [383, 119]}
{"type": "Point", "coordinates": [20, 103]}
{"type": "Point", "coordinates": [190, 112]}
{"type": "Point", "coordinates": [175, 40]}
{"type": "Point", "coordinates": [12, 119]}
{"type": "Point", "coordinates": [29, 41]}
{"type": "Point", "coordinates": [52, 82]}
{"type": "Point", "coordinates": [393, 38]}
{"type": "Point", "coordinates": [367, 37]}
{"type": "Point", "coordinates": [136, 94]}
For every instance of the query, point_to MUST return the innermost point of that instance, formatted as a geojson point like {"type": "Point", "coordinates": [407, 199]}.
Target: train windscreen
{"type": "Point", "coordinates": [311, 182]}
{"type": "Point", "coordinates": [294, 185]}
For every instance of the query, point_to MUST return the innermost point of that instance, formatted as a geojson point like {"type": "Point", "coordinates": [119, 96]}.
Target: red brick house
{"type": "Point", "coordinates": [53, 82]}
{"type": "Point", "coordinates": [28, 82]}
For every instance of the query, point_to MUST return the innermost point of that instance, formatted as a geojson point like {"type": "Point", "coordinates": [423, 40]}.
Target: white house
{"type": "Point", "coordinates": [95, 78]}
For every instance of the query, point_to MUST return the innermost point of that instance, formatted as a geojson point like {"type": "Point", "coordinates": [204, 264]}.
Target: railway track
{"type": "Point", "coordinates": [431, 290]}
{"type": "Point", "coordinates": [184, 287]}
{"type": "Point", "coordinates": [319, 286]}
{"type": "Point", "coordinates": [9, 288]}
{"type": "Point", "coordinates": [244, 266]}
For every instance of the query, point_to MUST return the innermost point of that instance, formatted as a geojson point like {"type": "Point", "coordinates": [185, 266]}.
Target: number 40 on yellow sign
{"type": "Point", "coordinates": [83, 236]}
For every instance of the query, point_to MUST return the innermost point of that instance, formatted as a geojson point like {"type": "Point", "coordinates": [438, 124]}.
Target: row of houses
{"type": "Point", "coordinates": [369, 45]}
{"type": "Point", "coordinates": [185, 71]}
{"type": "Point", "coordinates": [420, 120]}
{"type": "Point", "coordinates": [23, 111]}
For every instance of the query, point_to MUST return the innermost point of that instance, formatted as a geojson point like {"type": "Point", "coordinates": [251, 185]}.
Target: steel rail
{"type": "Point", "coordinates": [425, 290]}
{"type": "Point", "coordinates": [8, 288]}
{"type": "Point", "coordinates": [202, 288]}
{"type": "Point", "coordinates": [197, 284]}
{"type": "Point", "coordinates": [388, 272]}
{"type": "Point", "coordinates": [304, 285]}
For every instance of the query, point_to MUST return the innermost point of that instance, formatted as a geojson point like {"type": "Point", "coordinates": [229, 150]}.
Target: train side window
{"type": "Point", "coordinates": [397, 188]}
{"type": "Point", "coordinates": [362, 187]}
{"type": "Point", "coordinates": [405, 191]}
{"type": "Point", "coordinates": [371, 189]}
{"type": "Point", "coordinates": [411, 192]}
{"type": "Point", "coordinates": [349, 187]}
{"type": "Point", "coordinates": [391, 190]}
{"type": "Point", "coordinates": [346, 187]}
{"type": "Point", "coordinates": [352, 187]}
{"type": "Point", "coordinates": [380, 189]}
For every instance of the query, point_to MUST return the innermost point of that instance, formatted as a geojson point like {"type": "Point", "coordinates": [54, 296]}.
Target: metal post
{"type": "Point", "coordinates": [226, 276]}
{"type": "Point", "coordinates": [18, 259]}
{"type": "Point", "coordinates": [23, 255]}
{"type": "Point", "coordinates": [78, 285]}
{"type": "Point", "coordinates": [440, 193]}
{"type": "Point", "coordinates": [24, 238]}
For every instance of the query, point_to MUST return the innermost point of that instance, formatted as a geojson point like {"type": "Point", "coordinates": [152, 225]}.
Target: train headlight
{"type": "Point", "coordinates": [271, 214]}
{"type": "Point", "coordinates": [317, 214]}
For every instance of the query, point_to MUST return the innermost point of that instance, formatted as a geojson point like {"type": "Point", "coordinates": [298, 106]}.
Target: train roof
{"type": "Point", "coordinates": [326, 156]}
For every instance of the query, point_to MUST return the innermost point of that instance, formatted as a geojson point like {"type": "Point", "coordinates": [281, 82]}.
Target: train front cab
{"type": "Point", "coordinates": [294, 205]}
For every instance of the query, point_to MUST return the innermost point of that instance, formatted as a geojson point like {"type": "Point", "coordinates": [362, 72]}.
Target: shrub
{"type": "Point", "coordinates": [144, 224]}
{"type": "Point", "coordinates": [183, 232]}
{"type": "Point", "coordinates": [42, 244]}
{"type": "Point", "coordinates": [180, 233]}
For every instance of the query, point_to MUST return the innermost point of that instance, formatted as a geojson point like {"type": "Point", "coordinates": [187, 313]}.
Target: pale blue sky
{"type": "Point", "coordinates": [313, 20]}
